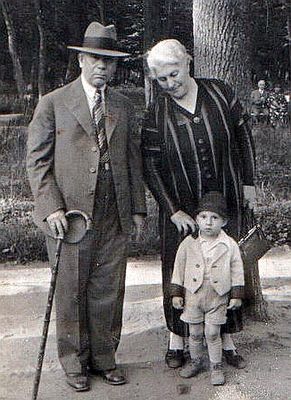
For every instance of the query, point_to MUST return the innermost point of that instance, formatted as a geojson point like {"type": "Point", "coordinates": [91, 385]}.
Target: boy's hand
{"type": "Point", "coordinates": [178, 302]}
{"type": "Point", "coordinates": [234, 303]}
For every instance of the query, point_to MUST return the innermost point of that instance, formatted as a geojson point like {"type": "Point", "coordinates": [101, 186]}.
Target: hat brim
{"type": "Point", "coordinates": [100, 52]}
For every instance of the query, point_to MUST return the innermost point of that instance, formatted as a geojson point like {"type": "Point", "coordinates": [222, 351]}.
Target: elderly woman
{"type": "Point", "coordinates": [194, 140]}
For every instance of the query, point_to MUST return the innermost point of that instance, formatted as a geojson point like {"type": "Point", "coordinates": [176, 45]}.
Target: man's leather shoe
{"type": "Point", "coordinates": [78, 382]}
{"type": "Point", "coordinates": [234, 359]}
{"type": "Point", "coordinates": [175, 358]}
{"type": "Point", "coordinates": [113, 377]}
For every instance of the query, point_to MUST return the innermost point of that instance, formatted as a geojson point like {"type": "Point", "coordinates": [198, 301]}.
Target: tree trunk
{"type": "Point", "coordinates": [41, 55]}
{"type": "Point", "coordinates": [152, 33]}
{"type": "Point", "coordinates": [101, 7]}
{"type": "Point", "coordinates": [255, 305]}
{"type": "Point", "coordinates": [12, 45]}
{"type": "Point", "coordinates": [221, 50]}
{"type": "Point", "coordinates": [221, 47]}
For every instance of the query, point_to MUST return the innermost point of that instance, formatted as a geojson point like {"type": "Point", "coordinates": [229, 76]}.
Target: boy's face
{"type": "Point", "coordinates": [210, 223]}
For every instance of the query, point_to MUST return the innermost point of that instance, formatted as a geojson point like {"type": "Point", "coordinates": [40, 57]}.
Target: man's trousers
{"type": "Point", "coordinates": [90, 288]}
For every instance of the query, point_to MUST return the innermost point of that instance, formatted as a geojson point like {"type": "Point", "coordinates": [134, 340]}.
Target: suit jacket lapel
{"type": "Point", "coordinates": [219, 251]}
{"type": "Point", "coordinates": [112, 113]}
{"type": "Point", "coordinates": [77, 103]}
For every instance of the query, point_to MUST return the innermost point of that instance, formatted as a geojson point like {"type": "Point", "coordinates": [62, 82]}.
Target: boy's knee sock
{"type": "Point", "coordinates": [196, 348]}
{"type": "Point", "coordinates": [215, 350]}
{"type": "Point", "coordinates": [214, 343]}
{"type": "Point", "coordinates": [196, 341]}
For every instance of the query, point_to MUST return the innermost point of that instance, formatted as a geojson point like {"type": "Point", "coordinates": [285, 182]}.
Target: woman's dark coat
{"type": "Point", "coordinates": [218, 116]}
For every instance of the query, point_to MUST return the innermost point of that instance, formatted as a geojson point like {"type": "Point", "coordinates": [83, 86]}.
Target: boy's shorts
{"type": "Point", "coordinates": [205, 305]}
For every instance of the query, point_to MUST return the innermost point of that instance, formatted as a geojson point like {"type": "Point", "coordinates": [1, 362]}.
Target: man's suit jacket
{"type": "Point", "coordinates": [63, 157]}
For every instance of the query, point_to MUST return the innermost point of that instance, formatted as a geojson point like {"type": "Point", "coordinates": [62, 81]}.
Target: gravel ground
{"type": "Point", "coordinates": [266, 346]}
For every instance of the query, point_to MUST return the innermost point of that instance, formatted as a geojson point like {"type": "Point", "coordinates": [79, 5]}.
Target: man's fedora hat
{"type": "Point", "coordinates": [100, 40]}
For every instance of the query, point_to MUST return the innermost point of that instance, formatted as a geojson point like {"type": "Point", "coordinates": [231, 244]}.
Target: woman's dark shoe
{"type": "Point", "coordinates": [175, 358]}
{"type": "Point", "coordinates": [113, 377]}
{"type": "Point", "coordinates": [78, 382]}
{"type": "Point", "coordinates": [191, 368]}
{"type": "Point", "coordinates": [234, 359]}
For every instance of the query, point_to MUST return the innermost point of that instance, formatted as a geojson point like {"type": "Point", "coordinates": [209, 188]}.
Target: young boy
{"type": "Point", "coordinates": [208, 278]}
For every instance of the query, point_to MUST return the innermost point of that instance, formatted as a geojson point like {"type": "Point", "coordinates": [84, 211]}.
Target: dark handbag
{"type": "Point", "coordinates": [254, 245]}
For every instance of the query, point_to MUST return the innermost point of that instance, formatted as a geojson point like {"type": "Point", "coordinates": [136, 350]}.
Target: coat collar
{"type": "Point", "coordinates": [76, 102]}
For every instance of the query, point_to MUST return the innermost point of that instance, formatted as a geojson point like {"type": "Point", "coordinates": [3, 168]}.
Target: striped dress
{"type": "Point", "coordinates": [186, 155]}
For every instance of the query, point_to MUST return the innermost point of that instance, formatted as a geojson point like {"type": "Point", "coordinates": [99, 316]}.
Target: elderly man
{"type": "Point", "coordinates": [195, 140]}
{"type": "Point", "coordinates": [83, 153]}
{"type": "Point", "coordinates": [259, 109]}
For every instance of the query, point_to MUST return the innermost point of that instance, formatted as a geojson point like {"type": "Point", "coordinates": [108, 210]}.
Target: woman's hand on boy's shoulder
{"type": "Point", "coordinates": [183, 222]}
{"type": "Point", "coordinates": [178, 302]}
{"type": "Point", "coordinates": [234, 303]}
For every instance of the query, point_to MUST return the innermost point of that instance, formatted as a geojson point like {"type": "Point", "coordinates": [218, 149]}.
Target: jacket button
{"type": "Point", "coordinates": [194, 280]}
{"type": "Point", "coordinates": [94, 148]}
{"type": "Point", "coordinates": [93, 170]}
{"type": "Point", "coordinates": [197, 266]}
{"type": "Point", "coordinates": [200, 141]}
{"type": "Point", "coordinates": [208, 176]}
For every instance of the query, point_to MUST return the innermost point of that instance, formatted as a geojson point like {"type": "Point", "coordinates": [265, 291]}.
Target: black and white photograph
{"type": "Point", "coordinates": [145, 199]}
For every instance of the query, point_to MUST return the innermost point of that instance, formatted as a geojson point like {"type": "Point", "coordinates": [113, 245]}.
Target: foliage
{"type": "Point", "coordinates": [274, 182]}
{"type": "Point", "coordinates": [21, 241]}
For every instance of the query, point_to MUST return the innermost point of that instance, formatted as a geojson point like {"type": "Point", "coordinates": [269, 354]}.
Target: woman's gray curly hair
{"type": "Point", "coordinates": [168, 51]}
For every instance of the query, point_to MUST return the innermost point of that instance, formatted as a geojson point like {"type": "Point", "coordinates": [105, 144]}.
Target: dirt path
{"type": "Point", "coordinates": [266, 346]}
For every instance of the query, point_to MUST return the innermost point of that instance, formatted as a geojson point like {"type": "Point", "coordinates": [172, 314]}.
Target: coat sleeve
{"type": "Point", "coordinates": [242, 133]}
{"type": "Point", "coordinates": [138, 205]}
{"type": "Point", "coordinates": [244, 140]}
{"type": "Point", "coordinates": [237, 273]}
{"type": "Point", "coordinates": [40, 160]}
{"type": "Point", "coordinates": [154, 164]}
{"type": "Point", "coordinates": [178, 277]}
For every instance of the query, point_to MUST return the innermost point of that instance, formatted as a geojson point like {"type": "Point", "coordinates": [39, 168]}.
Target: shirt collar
{"type": "Point", "coordinates": [221, 238]}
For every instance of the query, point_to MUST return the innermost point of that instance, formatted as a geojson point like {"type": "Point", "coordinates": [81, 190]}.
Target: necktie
{"type": "Point", "coordinates": [99, 122]}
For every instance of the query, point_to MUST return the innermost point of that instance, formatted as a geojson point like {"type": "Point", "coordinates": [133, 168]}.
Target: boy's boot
{"type": "Point", "coordinates": [217, 375]}
{"type": "Point", "coordinates": [191, 368]}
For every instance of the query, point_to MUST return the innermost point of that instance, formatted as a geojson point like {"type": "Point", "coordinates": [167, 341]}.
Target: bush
{"type": "Point", "coordinates": [20, 240]}
{"type": "Point", "coordinates": [275, 220]}
{"type": "Point", "coordinates": [11, 103]}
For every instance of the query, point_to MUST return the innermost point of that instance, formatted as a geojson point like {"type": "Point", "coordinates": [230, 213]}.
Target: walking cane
{"type": "Point", "coordinates": [78, 224]}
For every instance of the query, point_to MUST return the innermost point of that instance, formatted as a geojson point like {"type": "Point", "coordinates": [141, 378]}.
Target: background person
{"type": "Point", "coordinates": [259, 109]}
{"type": "Point", "coordinates": [194, 140]}
{"type": "Point", "coordinates": [278, 107]}
{"type": "Point", "coordinates": [84, 153]}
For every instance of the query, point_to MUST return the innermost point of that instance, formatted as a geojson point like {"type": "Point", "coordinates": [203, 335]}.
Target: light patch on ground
{"type": "Point", "coordinates": [230, 392]}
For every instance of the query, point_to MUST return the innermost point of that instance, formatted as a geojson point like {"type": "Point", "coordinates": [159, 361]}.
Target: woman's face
{"type": "Point", "coordinates": [174, 78]}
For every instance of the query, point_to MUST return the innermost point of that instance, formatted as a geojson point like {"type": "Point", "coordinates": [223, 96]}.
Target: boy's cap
{"type": "Point", "coordinates": [215, 202]}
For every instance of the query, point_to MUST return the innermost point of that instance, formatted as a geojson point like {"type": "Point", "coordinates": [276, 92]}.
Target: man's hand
{"type": "Point", "coordinates": [249, 193]}
{"type": "Point", "coordinates": [178, 302]}
{"type": "Point", "coordinates": [138, 220]}
{"type": "Point", "coordinates": [183, 222]}
{"type": "Point", "coordinates": [234, 303]}
{"type": "Point", "coordinates": [58, 224]}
